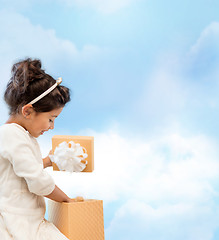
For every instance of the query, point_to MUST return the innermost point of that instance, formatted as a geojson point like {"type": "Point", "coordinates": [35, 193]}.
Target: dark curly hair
{"type": "Point", "coordinates": [28, 80]}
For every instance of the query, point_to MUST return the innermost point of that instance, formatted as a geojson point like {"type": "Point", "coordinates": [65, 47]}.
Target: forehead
{"type": "Point", "coordinates": [55, 112]}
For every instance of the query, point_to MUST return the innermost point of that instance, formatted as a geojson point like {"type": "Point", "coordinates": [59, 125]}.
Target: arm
{"type": "Point", "coordinates": [59, 196]}
{"type": "Point", "coordinates": [18, 148]}
{"type": "Point", "coordinates": [19, 152]}
{"type": "Point", "coordinates": [47, 161]}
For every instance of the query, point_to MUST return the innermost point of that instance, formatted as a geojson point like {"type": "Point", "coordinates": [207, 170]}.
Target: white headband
{"type": "Point", "coordinates": [58, 81]}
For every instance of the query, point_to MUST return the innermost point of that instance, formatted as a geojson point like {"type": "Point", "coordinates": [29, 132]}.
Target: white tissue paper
{"type": "Point", "coordinates": [70, 157]}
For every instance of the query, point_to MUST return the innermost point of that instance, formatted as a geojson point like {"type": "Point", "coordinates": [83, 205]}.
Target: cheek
{"type": "Point", "coordinates": [44, 125]}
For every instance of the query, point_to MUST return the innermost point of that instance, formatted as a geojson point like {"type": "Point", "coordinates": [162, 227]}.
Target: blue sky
{"type": "Point", "coordinates": [144, 82]}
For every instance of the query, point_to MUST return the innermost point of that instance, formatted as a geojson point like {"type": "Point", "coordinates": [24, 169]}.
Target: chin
{"type": "Point", "coordinates": [36, 135]}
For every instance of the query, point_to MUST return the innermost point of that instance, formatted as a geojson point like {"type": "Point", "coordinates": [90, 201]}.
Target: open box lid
{"type": "Point", "coordinates": [85, 141]}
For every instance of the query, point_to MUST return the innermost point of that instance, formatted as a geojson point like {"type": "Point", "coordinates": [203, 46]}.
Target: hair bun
{"type": "Point", "coordinates": [25, 72]}
{"type": "Point", "coordinates": [36, 63]}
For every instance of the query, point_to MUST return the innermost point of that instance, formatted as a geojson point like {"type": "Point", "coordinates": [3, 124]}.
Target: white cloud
{"type": "Point", "coordinates": [208, 39]}
{"type": "Point", "coordinates": [138, 220]}
{"type": "Point", "coordinates": [20, 39]}
{"type": "Point", "coordinates": [203, 57]}
{"type": "Point", "coordinates": [167, 185]}
{"type": "Point", "coordinates": [104, 6]}
{"type": "Point", "coordinates": [15, 5]}
{"type": "Point", "coordinates": [169, 168]}
{"type": "Point", "coordinates": [182, 86]}
{"type": "Point", "coordinates": [164, 94]}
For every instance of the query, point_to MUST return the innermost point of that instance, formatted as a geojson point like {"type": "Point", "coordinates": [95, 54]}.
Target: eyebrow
{"type": "Point", "coordinates": [54, 116]}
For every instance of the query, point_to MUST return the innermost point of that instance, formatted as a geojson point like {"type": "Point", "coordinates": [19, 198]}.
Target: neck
{"type": "Point", "coordinates": [16, 119]}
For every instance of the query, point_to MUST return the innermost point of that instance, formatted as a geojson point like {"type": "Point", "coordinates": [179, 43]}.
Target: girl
{"type": "Point", "coordinates": [35, 99]}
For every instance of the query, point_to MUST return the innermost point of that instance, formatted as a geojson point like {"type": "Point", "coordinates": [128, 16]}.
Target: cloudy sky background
{"type": "Point", "coordinates": [144, 79]}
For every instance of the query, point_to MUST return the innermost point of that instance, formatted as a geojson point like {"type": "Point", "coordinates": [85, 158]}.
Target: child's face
{"type": "Point", "coordinates": [42, 122]}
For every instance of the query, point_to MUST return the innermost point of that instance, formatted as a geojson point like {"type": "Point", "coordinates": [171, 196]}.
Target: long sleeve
{"type": "Point", "coordinates": [20, 148]}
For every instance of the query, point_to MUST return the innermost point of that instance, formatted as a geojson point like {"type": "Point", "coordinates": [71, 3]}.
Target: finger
{"type": "Point", "coordinates": [79, 199]}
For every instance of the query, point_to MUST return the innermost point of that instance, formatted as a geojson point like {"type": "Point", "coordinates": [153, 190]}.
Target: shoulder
{"type": "Point", "coordinates": [13, 131]}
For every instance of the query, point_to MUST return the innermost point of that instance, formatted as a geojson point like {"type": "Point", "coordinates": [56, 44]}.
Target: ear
{"type": "Point", "coordinates": [27, 110]}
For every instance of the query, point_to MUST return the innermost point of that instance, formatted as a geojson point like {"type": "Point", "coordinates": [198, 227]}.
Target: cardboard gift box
{"type": "Point", "coordinates": [78, 220]}
{"type": "Point", "coordinates": [85, 141]}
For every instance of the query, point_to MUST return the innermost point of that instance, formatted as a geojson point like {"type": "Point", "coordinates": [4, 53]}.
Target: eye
{"type": "Point", "coordinates": [50, 120]}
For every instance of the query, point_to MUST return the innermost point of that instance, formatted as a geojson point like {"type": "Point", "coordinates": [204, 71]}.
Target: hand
{"type": "Point", "coordinates": [47, 161]}
{"type": "Point", "coordinates": [77, 199]}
